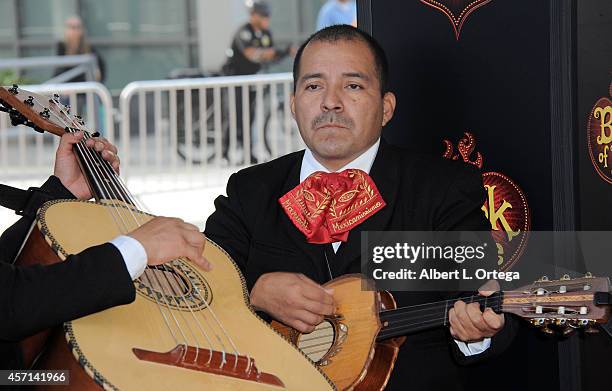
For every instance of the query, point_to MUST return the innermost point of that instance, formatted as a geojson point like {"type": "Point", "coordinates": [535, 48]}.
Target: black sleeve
{"type": "Point", "coordinates": [13, 237]}
{"type": "Point", "coordinates": [461, 210]}
{"type": "Point", "coordinates": [227, 226]}
{"type": "Point", "coordinates": [38, 297]}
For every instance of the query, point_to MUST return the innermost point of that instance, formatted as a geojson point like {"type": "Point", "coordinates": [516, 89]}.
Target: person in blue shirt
{"type": "Point", "coordinates": [337, 12]}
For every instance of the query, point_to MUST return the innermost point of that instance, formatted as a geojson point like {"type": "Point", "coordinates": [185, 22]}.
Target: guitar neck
{"type": "Point", "coordinates": [411, 319]}
{"type": "Point", "coordinates": [103, 181]}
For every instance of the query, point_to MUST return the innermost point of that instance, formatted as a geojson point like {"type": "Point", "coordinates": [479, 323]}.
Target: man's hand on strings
{"type": "Point", "coordinates": [168, 238]}
{"type": "Point", "coordinates": [67, 167]}
{"type": "Point", "coordinates": [293, 299]}
{"type": "Point", "coordinates": [469, 324]}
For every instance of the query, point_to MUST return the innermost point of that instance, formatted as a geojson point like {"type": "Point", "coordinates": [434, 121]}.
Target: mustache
{"type": "Point", "coordinates": [331, 117]}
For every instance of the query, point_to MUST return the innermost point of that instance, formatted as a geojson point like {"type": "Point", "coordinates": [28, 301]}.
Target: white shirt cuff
{"type": "Point", "coordinates": [133, 253]}
{"type": "Point", "coordinates": [473, 348]}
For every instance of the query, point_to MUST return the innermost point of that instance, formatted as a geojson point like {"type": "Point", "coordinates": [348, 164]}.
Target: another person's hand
{"type": "Point", "coordinates": [293, 299]}
{"type": "Point", "coordinates": [168, 238]}
{"type": "Point", "coordinates": [469, 324]}
{"type": "Point", "coordinates": [67, 167]}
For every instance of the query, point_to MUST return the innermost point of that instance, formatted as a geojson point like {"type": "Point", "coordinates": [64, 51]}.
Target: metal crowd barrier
{"type": "Point", "coordinates": [208, 122]}
{"type": "Point", "coordinates": [169, 126]}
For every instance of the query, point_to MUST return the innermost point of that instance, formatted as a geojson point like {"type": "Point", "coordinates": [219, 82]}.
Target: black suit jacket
{"type": "Point", "coordinates": [39, 297]}
{"type": "Point", "coordinates": [422, 193]}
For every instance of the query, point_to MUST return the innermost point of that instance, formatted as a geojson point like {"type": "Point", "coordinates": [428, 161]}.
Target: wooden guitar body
{"type": "Point", "coordinates": [345, 346]}
{"type": "Point", "coordinates": [131, 347]}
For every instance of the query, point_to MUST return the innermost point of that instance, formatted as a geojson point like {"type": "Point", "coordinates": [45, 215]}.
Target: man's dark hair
{"type": "Point", "coordinates": [345, 32]}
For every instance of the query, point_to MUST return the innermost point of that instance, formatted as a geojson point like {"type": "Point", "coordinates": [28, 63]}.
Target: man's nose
{"type": "Point", "coordinates": [331, 101]}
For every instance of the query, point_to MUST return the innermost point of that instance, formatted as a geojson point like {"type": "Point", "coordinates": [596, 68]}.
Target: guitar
{"type": "Point", "coordinates": [186, 330]}
{"type": "Point", "coordinates": [358, 346]}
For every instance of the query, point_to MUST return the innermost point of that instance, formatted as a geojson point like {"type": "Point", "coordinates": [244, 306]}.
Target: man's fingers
{"type": "Point", "coordinates": [203, 263]}
{"type": "Point", "coordinates": [109, 146]}
{"type": "Point", "coordinates": [308, 280]}
{"type": "Point", "coordinates": [464, 320]}
{"type": "Point", "coordinates": [67, 141]}
{"type": "Point", "coordinates": [458, 332]}
{"type": "Point", "coordinates": [476, 319]}
{"type": "Point", "coordinates": [300, 326]}
{"type": "Point", "coordinates": [493, 320]}
{"type": "Point", "coordinates": [319, 308]}
{"type": "Point", "coordinates": [308, 317]}
{"type": "Point", "coordinates": [195, 238]}
{"type": "Point", "coordinates": [195, 241]}
{"type": "Point", "coordinates": [317, 293]}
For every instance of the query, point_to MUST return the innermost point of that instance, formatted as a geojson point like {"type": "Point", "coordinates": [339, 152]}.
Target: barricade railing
{"type": "Point", "coordinates": [224, 122]}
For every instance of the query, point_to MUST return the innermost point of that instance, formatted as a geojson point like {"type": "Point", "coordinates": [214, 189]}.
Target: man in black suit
{"type": "Point", "coordinates": [39, 297]}
{"type": "Point", "coordinates": [341, 103]}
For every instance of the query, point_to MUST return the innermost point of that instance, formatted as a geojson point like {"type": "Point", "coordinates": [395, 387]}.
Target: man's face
{"type": "Point", "coordinates": [260, 22]}
{"type": "Point", "coordinates": [337, 102]}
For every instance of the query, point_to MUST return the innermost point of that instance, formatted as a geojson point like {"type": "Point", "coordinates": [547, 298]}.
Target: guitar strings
{"type": "Point", "coordinates": [176, 287]}
{"type": "Point", "coordinates": [411, 323]}
{"type": "Point", "coordinates": [87, 155]}
{"type": "Point", "coordinates": [90, 158]}
{"type": "Point", "coordinates": [203, 314]}
{"type": "Point", "coordinates": [113, 175]}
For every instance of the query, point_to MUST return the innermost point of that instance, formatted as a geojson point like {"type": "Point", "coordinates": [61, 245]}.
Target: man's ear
{"type": "Point", "coordinates": [388, 107]}
{"type": "Point", "coordinates": [292, 99]}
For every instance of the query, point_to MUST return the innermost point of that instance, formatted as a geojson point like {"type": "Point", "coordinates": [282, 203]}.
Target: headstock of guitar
{"type": "Point", "coordinates": [562, 305]}
{"type": "Point", "coordinates": [42, 113]}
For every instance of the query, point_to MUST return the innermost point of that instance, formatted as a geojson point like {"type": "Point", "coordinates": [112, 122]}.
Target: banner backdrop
{"type": "Point", "coordinates": [521, 89]}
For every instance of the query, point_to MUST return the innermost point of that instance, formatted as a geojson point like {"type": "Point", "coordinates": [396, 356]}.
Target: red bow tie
{"type": "Point", "coordinates": [326, 206]}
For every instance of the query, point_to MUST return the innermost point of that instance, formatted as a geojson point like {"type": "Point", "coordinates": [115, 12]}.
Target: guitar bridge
{"type": "Point", "coordinates": [210, 361]}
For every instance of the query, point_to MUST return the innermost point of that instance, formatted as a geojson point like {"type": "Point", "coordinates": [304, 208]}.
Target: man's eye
{"type": "Point", "coordinates": [353, 86]}
{"type": "Point", "coordinates": [312, 87]}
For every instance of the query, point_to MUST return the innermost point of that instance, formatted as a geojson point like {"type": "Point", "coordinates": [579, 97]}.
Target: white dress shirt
{"type": "Point", "coordinates": [364, 162]}
{"type": "Point", "coordinates": [133, 253]}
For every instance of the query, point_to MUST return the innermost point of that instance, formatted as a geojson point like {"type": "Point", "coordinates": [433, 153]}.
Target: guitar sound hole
{"type": "Point", "coordinates": [318, 343]}
{"type": "Point", "coordinates": [166, 280]}
{"type": "Point", "coordinates": [175, 285]}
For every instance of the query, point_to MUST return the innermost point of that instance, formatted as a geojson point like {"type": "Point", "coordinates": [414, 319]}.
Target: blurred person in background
{"type": "Point", "coordinates": [75, 43]}
{"type": "Point", "coordinates": [252, 48]}
{"type": "Point", "coordinates": [337, 12]}
{"type": "Point", "coordinates": [252, 45]}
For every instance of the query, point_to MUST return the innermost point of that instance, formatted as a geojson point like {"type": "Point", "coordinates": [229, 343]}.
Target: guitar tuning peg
{"type": "Point", "coordinates": [14, 89]}
{"type": "Point", "coordinates": [29, 101]}
{"type": "Point", "coordinates": [588, 275]}
{"type": "Point", "coordinates": [560, 322]}
{"type": "Point", "coordinates": [67, 108]}
{"type": "Point", "coordinates": [538, 322]}
{"type": "Point", "coordinates": [565, 277]}
{"type": "Point", "coordinates": [45, 113]}
{"type": "Point", "coordinates": [56, 97]}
